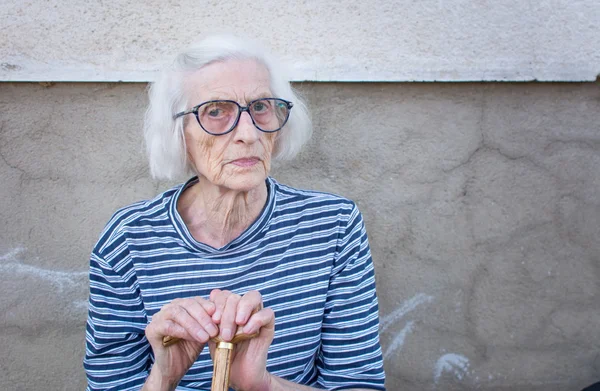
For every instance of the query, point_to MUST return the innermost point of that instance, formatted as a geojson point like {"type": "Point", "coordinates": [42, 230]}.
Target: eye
{"type": "Point", "coordinates": [260, 107]}
{"type": "Point", "coordinates": [217, 110]}
{"type": "Point", "coordinates": [214, 112]}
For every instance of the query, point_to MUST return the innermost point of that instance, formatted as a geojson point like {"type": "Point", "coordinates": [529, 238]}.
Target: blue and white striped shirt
{"type": "Point", "coordinates": [307, 254]}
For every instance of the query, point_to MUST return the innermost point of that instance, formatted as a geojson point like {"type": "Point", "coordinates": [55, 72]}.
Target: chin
{"type": "Point", "coordinates": [245, 181]}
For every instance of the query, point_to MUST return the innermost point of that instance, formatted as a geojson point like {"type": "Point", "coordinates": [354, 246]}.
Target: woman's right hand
{"type": "Point", "coordinates": [189, 320]}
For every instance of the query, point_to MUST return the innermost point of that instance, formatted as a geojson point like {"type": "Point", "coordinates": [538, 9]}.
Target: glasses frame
{"type": "Point", "coordinates": [194, 110]}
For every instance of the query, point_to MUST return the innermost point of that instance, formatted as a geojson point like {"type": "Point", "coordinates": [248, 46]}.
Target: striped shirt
{"type": "Point", "coordinates": [307, 254]}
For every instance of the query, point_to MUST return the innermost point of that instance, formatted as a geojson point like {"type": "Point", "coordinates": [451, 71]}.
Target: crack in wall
{"type": "Point", "coordinates": [3, 158]}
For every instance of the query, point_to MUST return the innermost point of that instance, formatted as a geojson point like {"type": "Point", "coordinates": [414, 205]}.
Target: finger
{"type": "Point", "coordinates": [228, 326]}
{"type": "Point", "coordinates": [263, 319]}
{"type": "Point", "coordinates": [213, 294]}
{"type": "Point", "coordinates": [201, 310]}
{"type": "Point", "coordinates": [156, 330]}
{"type": "Point", "coordinates": [219, 298]}
{"type": "Point", "coordinates": [179, 314]}
{"type": "Point", "coordinates": [208, 305]}
{"type": "Point", "coordinates": [248, 304]}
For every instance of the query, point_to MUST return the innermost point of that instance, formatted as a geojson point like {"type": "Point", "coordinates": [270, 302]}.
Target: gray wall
{"type": "Point", "coordinates": [481, 202]}
{"type": "Point", "coordinates": [349, 40]}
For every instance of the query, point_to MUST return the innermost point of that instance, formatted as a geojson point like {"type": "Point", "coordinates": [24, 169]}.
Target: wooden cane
{"type": "Point", "coordinates": [222, 355]}
{"type": "Point", "coordinates": [222, 360]}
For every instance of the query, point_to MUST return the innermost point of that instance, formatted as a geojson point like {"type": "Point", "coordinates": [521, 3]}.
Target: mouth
{"type": "Point", "coordinates": [246, 161]}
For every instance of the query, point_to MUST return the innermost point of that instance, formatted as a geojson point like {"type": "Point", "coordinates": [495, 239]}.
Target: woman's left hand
{"type": "Point", "coordinates": [249, 359]}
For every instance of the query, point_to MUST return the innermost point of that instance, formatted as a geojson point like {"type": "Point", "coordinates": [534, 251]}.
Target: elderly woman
{"type": "Point", "coordinates": [231, 249]}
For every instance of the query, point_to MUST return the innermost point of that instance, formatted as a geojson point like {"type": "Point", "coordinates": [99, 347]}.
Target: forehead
{"type": "Point", "coordinates": [239, 80]}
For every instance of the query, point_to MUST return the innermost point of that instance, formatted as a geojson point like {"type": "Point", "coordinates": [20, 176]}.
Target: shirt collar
{"type": "Point", "coordinates": [246, 237]}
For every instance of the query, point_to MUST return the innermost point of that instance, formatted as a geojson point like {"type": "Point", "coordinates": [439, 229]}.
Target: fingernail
{"type": "Point", "coordinates": [240, 317]}
{"type": "Point", "coordinates": [212, 329]}
{"type": "Point", "coordinates": [226, 334]}
{"type": "Point", "coordinates": [202, 336]}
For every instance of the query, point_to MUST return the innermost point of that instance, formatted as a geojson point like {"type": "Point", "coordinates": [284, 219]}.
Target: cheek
{"type": "Point", "coordinates": [201, 152]}
{"type": "Point", "coordinates": [269, 144]}
{"type": "Point", "coordinates": [205, 145]}
{"type": "Point", "coordinates": [211, 152]}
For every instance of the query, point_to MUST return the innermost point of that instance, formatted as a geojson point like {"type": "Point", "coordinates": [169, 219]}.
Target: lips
{"type": "Point", "coordinates": [246, 162]}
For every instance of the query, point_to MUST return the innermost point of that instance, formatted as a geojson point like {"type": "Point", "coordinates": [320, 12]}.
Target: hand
{"type": "Point", "coordinates": [191, 321]}
{"type": "Point", "coordinates": [249, 359]}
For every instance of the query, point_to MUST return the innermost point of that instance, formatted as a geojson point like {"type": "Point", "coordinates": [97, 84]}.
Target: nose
{"type": "Point", "coordinates": [245, 131]}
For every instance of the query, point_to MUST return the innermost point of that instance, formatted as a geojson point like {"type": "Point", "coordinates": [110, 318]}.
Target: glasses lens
{"type": "Point", "coordinates": [269, 114]}
{"type": "Point", "coordinates": [218, 116]}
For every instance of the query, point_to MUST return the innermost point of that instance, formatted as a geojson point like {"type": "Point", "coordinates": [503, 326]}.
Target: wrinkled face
{"type": "Point", "coordinates": [239, 160]}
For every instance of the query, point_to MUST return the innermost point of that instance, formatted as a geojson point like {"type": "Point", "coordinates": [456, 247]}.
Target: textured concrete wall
{"type": "Point", "coordinates": [481, 202]}
{"type": "Point", "coordinates": [350, 40]}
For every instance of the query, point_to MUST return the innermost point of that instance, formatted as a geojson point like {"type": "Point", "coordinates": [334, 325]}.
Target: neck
{"type": "Point", "coordinates": [215, 215]}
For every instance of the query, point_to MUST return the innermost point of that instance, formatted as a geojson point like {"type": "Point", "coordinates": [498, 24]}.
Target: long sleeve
{"type": "Point", "coordinates": [117, 352]}
{"type": "Point", "coordinates": [350, 354]}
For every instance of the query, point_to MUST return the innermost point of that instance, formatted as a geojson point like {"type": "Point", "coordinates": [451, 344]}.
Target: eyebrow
{"type": "Point", "coordinates": [262, 95]}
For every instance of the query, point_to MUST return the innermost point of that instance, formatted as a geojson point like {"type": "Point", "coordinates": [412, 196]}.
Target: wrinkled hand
{"type": "Point", "coordinates": [188, 319]}
{"type": "Point", "coordinates": [249, 359]}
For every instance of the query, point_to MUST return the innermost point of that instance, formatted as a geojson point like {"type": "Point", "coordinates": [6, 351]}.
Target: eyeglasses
{"type": "Point", "coordinates": [219, 117]}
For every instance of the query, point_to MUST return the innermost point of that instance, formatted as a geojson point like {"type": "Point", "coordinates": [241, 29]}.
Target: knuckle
{"type": "Point", "coordinates": [226, 292]}
{"type": "Point", "coordinates": [171, 328]}
{"type": "Point", "coordinates": [150, 329]}
{"type": "Point", "coordinates": [202, 317]}
{"type": "Point", "coordinates": [217, 295]}
{"type": "Point", "coordinates": [221, 298]}
{"type": "Point", "coordinates": [176, 301]}
{"type": "Point", "coordinates": [206, 326]}
{"type": "Point", "coordinates": [176, 312]}
{"type": "Point", "coordinates": [255, 293]}
{"type": "Point", "coordinates": [234, 297]}
{"type": "Point", "coordinates": [214, 292]}
{"type": "Point", "coordinates": [159, 315]}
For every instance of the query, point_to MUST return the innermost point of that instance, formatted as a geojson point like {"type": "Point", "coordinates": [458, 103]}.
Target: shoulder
{"type": "Point", "coordinates": [292, 194]}
{"type": "Point", "coordinates": [291, 199]}
{"type": "Point", "coordinates": [134, 215]}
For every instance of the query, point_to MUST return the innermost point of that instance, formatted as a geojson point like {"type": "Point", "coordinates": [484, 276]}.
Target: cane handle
{"type": "Point", "coordinates": [238, 337]}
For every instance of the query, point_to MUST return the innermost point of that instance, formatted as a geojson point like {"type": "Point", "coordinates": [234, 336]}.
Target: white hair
{"type": "Point", "coordinates": [163, 135]}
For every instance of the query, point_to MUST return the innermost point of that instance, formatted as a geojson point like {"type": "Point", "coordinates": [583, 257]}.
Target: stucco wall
{"type": "Point", "coordinates": [481, 202]}
{"type": "Point", "coordinates": [349, 40]}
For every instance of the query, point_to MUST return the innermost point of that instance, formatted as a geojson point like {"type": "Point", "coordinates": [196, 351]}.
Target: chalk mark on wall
{"type": "Point", "coordinates": [455, 364]}
{"type": "Point", "coordinates": [406, 307]}
{"type": "Point", "coordinates": [395, 316]}
{"type": "Point", "coordinates": [398, 340]}
{"type": "Point", "coordinates": [10, 264]}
